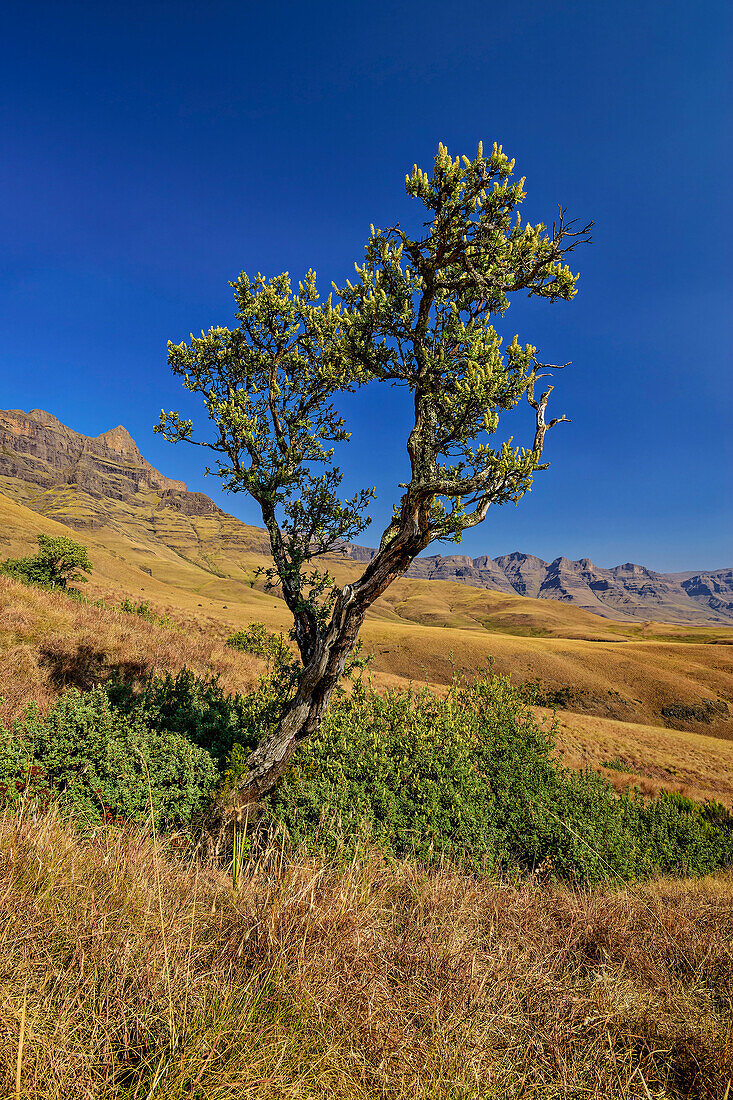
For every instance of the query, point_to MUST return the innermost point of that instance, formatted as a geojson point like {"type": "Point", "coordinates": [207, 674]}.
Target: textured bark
{"type": "Point", "coordinates": [269, 760]}
{"type": "Point", "coordinates": [325, 655]}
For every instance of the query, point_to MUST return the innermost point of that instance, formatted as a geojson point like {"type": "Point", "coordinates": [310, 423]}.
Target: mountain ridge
{"type": "Point", "coordinates": [52, 468]}
{"type": "Point", "coordinates": [622, 591]}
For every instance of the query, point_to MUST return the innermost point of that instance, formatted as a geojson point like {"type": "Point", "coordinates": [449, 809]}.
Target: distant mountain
{"type": "Point", "coordinates": [105, 481]}
{"type": "Point", "coordinates": [37, 448]}
{"type": "Point", "coordinates": [625, 592]}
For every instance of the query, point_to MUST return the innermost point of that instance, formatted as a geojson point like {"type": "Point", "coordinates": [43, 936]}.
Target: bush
{"type": "Point", "coordinates": [283, 668]}
{"type": "Point", "coordinates": [472, 778]}
{"type": "Point", "coordinates": [143, 609]}
{"type": "Point", "coordinates": [100, 763]}
{"type": "Point", "coordinates": [59, 561]}
{"type": "Point", "coordinates": [257, 639]}
{"type": "Point", "coordinates": [198, 709]}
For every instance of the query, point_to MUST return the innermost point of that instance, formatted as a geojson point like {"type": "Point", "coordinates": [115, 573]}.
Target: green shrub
{"type": "Point", "coordinates": [198, 709]}
{"type": "Point", "coordinates": [100, 763]}
{"type": "Point", "coordinates": [472, 778]}
{"type": "Point", "coordinates": [58, 562]}
{"type": "Point", "coordinates": [283, 667]}
{"type": "Point", "coordinates": [143, 609]}
{"type": "Point", "coordinates": [256, 639]}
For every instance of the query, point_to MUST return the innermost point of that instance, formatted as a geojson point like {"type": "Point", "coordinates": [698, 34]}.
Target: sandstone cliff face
{"type": "Point", "coordinates": [93, 482]}
{"type": "Point", "coordinates": [38, 449]}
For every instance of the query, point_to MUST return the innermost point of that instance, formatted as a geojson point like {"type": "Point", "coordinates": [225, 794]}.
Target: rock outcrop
{"type": "Point", "coordinates": [38, 449]}
{"type": "Point", "coordinates": [624, 592]}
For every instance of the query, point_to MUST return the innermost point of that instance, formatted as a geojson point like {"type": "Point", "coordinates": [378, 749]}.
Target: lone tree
{"type": "Point", "coordinates": [59, 562]}
{"type": "Point", "coordinates": [418, 315]}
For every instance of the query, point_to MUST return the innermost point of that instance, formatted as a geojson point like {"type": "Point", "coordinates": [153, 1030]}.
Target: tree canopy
{"type": "Point", "coordinates": [59, 562]}
{"type": "Point", "coordinates": [419, 314]}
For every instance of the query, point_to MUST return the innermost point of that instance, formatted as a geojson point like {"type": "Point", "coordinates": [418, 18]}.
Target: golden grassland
{"type": "Point", "coordinates": [49, 641]}
{"type": "Point", "coordinates": [133, 969]}
{"type": "Point", "coordinates": [128, 969]}
{"type": "Point", "coordinates": [647, 757]}
{"type": "Point", "coordinates": [619, 675]}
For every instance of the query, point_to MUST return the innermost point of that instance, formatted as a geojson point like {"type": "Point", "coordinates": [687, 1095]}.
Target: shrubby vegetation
{"type": "Point", "coordinates": [196, 707]}
{"type": "Point", "coordinates": [143, 609]}
{"type": "Point", "coordinates": [101, 764]}
{"type": "Point", "coordinates": [470, 778]}
{"type": "Point", "coordinates": [59, 562]}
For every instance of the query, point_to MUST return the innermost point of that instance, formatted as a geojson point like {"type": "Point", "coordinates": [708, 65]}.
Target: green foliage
{"type": "Point", "coordinates": [256, 639]}
{"type": "Point", "coordinates": [616, 764]}
{"type": "Point", "coordinates": [710, 810]}
{"type": "Point", "coordinates": [198, 709]}
{"type": "Point", "coordinates": [419, 316]}
{"type": "Point", "coordinates": [261, 642]}
{"type": "Point", "coordinates": [59, 562]}
{"type": "Point", "coordinates": [269, 385]}
{"type": "Point", "coordinates": [283, 669]}
{"type": "Point", "coordinates": [423, 307]}
{"type": "Point", "coordinates": [473, 778]}
{"type": "Point", "coordinates": [99, 763]}
{"type": "Point", "coordinates": [143, 609]}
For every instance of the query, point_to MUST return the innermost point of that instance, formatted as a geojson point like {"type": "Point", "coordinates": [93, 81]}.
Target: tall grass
{"type": "Point", "coordinates": [145, 975]}
{"type": "Point", "coordinates": [49, 642]}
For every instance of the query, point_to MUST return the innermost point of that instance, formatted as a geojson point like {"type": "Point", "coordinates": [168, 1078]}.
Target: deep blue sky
{"type": "Point", "coordinates": [150, 152]}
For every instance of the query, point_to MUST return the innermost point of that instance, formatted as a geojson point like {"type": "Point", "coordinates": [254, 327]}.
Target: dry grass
{"type": "Point", "coordinates": [648, 757]}
{"type": "Point", "coordinates": [625, 680]}
{"type": "Point", "coordinates": [49, 642]}
{"type": "Point", "coordinates": [204, 567]}
{"type": "Point", "coordinates": [148, 977]}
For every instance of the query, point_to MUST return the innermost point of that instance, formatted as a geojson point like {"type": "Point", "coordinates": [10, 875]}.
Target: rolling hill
{"type": "Point", "coordinates": [72, 477]}
{"type": "Point", "coordinates": [150, 539]}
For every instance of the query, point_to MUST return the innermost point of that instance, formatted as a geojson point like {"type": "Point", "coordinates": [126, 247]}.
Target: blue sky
{"type": "Point", "coordinates": [153, 151]}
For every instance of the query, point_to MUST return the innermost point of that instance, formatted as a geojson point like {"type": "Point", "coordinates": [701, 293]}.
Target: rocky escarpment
{"type": "Point", "coordinates": [96, 481]}
{"type": "Point", "coordinates": [37, 449]}
{"type": "Point", "coordinates": [623, 592]}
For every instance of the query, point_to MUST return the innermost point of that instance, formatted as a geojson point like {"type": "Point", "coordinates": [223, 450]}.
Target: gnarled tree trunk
{"type": "Point", "coordinates": [267, 763]}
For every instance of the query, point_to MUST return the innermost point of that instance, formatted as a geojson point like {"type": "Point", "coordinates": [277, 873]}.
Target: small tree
{"type": "Point", "coordinates": [59, 562]}
{"type": "Point", "coordinates": [419, 316]}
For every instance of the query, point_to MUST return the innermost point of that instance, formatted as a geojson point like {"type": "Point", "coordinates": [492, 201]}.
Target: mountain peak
{"type": "Point", "coordinates": [38, 448]}
{"type": "Point", "coordinates": [563, 563]}
{"type": "Point", "coordinates": [47, 419]}
{"type": "Point", "coordinates": [119, 439]}
{"type": "Point", "coordinates": [517, 557]}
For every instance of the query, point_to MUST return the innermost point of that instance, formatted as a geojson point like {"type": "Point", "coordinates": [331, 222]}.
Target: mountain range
{"type": "Point", "coordinates": [90, 482]}
{"type": "Point", "coordinates": [623, 592]}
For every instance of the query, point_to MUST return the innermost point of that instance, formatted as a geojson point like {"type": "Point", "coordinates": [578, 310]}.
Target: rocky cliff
{"type": "Point", "coordinates": [39, 450]}
{"type": "Point", "coordinates": [623, 592]}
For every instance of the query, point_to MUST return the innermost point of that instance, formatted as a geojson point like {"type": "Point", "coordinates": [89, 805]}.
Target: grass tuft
{"type": "Point", "coordinates": [145, 974]}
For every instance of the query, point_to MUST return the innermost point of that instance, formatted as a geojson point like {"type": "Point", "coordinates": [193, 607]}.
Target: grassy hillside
{"type": "Point", "coordinates": [128, 969]}
{"type": "Point", "coordinates": [49, 642]}
{"type": "Point", "coordinates": [132, 967]}
{"type": "Point", "coordinates": [609, 681]}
